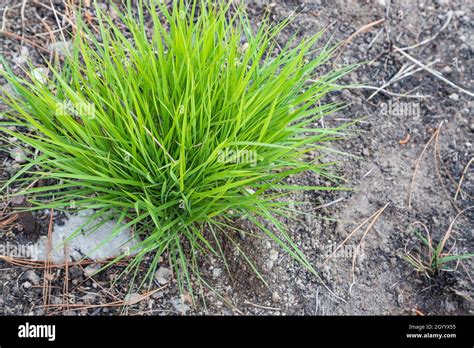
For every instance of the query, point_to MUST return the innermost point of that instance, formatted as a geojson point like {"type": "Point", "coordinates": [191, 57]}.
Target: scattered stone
{"type": "Point", "coordinates": [163, 275]}
{"type": "Point", "coordinates": [454, 97]}
{"type": "Point", "coordinates": [269, 265]}
{"type": "Point", "coordinates": [273, 254]}
{"type": "Point", "coordinates": [27, 285]}
{"type": "Point", "coordinates": [89, 297]}
{"type": "Point", "coordinates": [216, 272]}
{"type": "Point", "coordinates": [18, 155]}
{"type": "Point", "coordinates": [91, 269]}
{"type": "Point", "coordinates": [61, 47]}
{"type": "Point", "coordinates": [179, 306]}
{"type": "Point", "coordinates": [95, 244]}
{"type": "Point", "coordinates": [40, 75]}
{"type": "Point", "coordinates": [32, 277]}
{"type": "Point", "coordinates": [133, 298]}
{"type": "Point", "coordinates": [158, 294]}
{"type": "Point", "coordinates": [17, 201]}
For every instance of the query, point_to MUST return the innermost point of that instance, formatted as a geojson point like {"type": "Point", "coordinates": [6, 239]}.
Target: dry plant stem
{"type": "Point", "coordinates": [41, 264]}
{"type": "Point", "coordinates": [419, 161]}
{"type": "Point", "coordinates": [22, 14]}
{"type": "Point", "coordinates": [66, 278]}
{"type": "Point", "coordinates": [393, 94]}
{"type": "Point", "coordinates": [433, 72]}
{"type": "Point", "coordinates": [111, 304]}
{"type": "Point", "coordinates": [405, 71]}
{"type": "Point", "coordinates": [377, 215]}
{"type": "Point", "coordinates": [430, 242]}
{"type": "Point", "coordinates": [52, 37]}
{"type": "Point", "coordinates": [348, 237]}
{"type": "Point", "coordinates": [57, 20]}
{"type": "Point", "coordinates": [262, 307]}
{"type": "Point", "coordinates": [450, 229]}
{"type": "Point", "coordinates": [424, 42]}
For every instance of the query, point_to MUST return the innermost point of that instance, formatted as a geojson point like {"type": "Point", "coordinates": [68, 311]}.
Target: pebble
{"type": "Point", "coordinates": [273, 254]}
{"type": "Point", "coordinates": [454, 97]}
{"type": "Point", "coordinates": [40, 75]}
{"type": "Point", "coordinates": [158, 294]}
{"type": "Point", "coordinates": [17, 200]}
{"type": "Point", "coordinates": [90, 270]}
{"type": "Point", "coordinates": [276, 297]}
{"type": "Point", "coordinates": [32, 277]}
{"type": "Point", "coordinates": [61, 47]}
{"type": "Point", "coordinates": [18, 155]}
{"type": "Point", "coordinates": [447, 70]}
{"type": "Point", "coordinates": [216, 272]}
{"type": "Point", "coordinates": [27, 285]}
{"type": "Point", "coordinates": [22, 57]}
{"type": "Point", "coordinates": [163, 275]}
{"type": "Point", "coordinates": [178, 305]}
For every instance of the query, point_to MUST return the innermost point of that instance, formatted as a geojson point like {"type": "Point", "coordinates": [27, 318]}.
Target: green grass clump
{"type": "Point", "coordinates": [176, 125]}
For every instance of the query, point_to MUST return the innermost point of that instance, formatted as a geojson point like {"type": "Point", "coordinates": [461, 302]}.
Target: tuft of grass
{"type": "Point", "coordinates": [175, 122]}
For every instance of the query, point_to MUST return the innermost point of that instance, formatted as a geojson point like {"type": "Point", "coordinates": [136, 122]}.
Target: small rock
{"type": "Point", "coordinates": [133, 298]}
{"type": "Point", "coordinates": [22, 57]}
{"type": "Point", "coordinates": [216, 272]}
{"type": "Point", "coordinates": [447, 70]}
{"type": "Point", "coordinates": [471, 127]}
{"type": "Point", "coordinates": [163, 275]}
{"type": "Point", "coordinates": [454, 97]}
{"type": "Point", "coordinates": [17, 200]}
{"type": "Point", "coordinates": [273, 254]}
{"type": "Point", "coordinates": [32, 277]}
{"type": "Point", "coordinates": [40, 75]}
{"type": "Point", "coordinates": [276, 297]}
{"type": "Point", "coordinates": [179, 306]}
{"type": "Point", "coordinates": [18, 155]}
{"type": "Point", "coordinates": [27, 285]}
{"type": "Point", "coordinates": [158, 294]}
{"type": "Point", "coordinates": [91, 270]}
{"type": "Point", "coordinates": [61, 47]}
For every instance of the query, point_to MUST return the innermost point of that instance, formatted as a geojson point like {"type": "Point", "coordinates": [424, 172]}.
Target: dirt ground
{"type": "Point", "coordinates": [386, 144]}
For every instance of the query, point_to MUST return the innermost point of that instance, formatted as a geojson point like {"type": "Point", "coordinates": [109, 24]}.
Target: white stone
{"type": "Point", "coordinates": [95, 244]}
